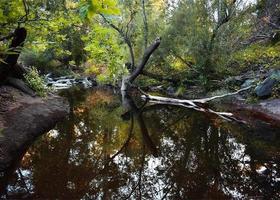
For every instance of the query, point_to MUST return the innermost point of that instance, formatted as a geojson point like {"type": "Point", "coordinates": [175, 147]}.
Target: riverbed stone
{"type": "Point", "coordinates": [248, 83]}
{"type": "Point", "coordinates": [170, 90]}
{"type": "Point", "coordinates": [265, 88]}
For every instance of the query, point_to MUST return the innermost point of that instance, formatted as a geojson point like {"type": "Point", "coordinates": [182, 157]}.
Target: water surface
{"type": "Point", "coordinates": [114, 148]}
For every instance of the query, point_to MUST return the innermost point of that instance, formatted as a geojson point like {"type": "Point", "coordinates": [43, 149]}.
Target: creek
{"type": "Point", "coordinates": [109, 148]}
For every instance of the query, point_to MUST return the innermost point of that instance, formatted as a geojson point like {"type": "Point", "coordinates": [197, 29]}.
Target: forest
{"type": "Point", "coordinates": [139, 99]}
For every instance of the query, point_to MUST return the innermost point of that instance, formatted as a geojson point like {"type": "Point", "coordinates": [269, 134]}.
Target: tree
{"type": "Point", "coordinates": [126, 31]}
{"type": "Point", "coordinates": [210, 31]}
{"type": "Point", "coordinates": [40, 27]}
{"type": "Point", "coordinates": [10, 71]}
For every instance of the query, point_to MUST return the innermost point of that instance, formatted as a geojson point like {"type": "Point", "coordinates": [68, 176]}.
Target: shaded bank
{"type": "Point", "coordinates": [265, 111]}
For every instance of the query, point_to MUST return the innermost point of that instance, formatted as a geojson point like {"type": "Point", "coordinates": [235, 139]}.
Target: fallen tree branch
{"type": "Point", "coordinates": [225, 115]}
{"type": "Point", "coordinates": [191, 101]}
{"type": "Point", "coordinates": [221, 96]}
{"type": "Point", "coordinates": [167, 99]}
{"type": "Point", "coordinates": [147, 54]}
{"type": "Point", "coordinates": [194, 103]}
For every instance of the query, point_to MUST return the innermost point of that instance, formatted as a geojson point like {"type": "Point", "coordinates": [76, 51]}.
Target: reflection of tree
{"type": "Point", "coordinates": [207, 167]}
{"type": "Point", "coordinates": [105, 151]}
{"type": "Point", "coordinates": [137, 114]}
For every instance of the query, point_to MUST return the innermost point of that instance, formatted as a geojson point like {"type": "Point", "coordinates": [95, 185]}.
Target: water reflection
{"type": "Point", "coordinates": [114, 148]}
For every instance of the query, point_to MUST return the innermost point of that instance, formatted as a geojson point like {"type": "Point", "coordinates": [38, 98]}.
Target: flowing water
{"type": "Point", "coordinates": [114, 148]}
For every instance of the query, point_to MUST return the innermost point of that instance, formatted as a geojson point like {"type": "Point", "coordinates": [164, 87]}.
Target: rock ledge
{"type": "Point", "coordinates": [22, 119]}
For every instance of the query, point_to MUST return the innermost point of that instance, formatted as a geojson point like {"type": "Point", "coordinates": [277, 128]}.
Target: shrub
{"type": "Point", "coordinates": [37, 59]}
{"type": "Point", "coordinates": [36, 82]}
{"type": "Point", "coordinates": [258, 55]}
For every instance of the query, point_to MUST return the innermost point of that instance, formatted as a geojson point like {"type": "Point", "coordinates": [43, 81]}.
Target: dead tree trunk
{"type": "Point", "coordinates": [128, 80]}
{"type": "Point", "coordinates": [196, 104]}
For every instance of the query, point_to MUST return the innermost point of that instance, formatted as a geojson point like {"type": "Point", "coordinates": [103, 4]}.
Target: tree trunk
{"type": "Point", "coordinates": [125, 83]}
{"type": "Point", "coordinates": [128, 80]}
{"type": "Point", "coordinates": [10, 68]}
{"type": "Point", "coordinates": [10, 72]}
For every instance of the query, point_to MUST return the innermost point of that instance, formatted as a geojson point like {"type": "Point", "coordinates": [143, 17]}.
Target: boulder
{"type": "Point", "coordinates": [22, 119]}
{"type": "Point", "coordinates": [265, 88]}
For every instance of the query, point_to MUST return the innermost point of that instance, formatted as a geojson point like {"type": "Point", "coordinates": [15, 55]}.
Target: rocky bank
{"type": "Point", "coordinates": [22, 119]}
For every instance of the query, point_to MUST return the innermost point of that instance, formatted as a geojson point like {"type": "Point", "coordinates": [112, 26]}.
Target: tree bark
{"type": "Point", "coordinates": [147, 54]}
{"type": "Point", "coordinates": [145, 22]}
{"type": "Point", "coordinates": [10, 72]}
{"type": "Point", "coordinates": [128, 80]}
{"type": "Point", "coordinates": [10, 68]}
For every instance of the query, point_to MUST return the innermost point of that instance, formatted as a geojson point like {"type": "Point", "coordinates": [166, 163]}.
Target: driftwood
{"type": "Point", "coordinates": [194, 103]}
{"type": "Point", "coordinates": [205, 100]}
{"type": "Point", "coordinates": [186, 101]}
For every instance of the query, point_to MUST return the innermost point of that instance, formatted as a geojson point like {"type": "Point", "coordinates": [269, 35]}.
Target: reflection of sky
{"type": "Point", "coordinates": [159, 182]}
{"type": "Point", "coordinates": [24, 182]}
{"type": "Point", "coordinates": [53, 133]}
{"type": "Point", "coordinates": [238, 154]}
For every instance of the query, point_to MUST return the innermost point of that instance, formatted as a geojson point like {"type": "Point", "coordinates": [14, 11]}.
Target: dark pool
{"type": "Point", "coordinates": [115, 148]}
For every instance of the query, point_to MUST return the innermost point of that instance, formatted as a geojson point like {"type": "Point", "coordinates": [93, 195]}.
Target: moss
{"type": "Point", "coordinates": [252, 99]}
{"type": "Point", "coordinates": [180, 90]}
{"type": "Point", "coordinates": [257, 55]}
{"type": "Point", "coordinates": [276, 91]}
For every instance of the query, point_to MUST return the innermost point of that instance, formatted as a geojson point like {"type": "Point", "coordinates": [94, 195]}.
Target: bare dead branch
{"type": "Point", "coordinates": [194, 103]}
{"type": "Point", "coordinates": [129, 22]}
{"type": "Point", "coordinates": [24, 18]}
{"type": "Point", "coordinates": [147, 54]}
{"type": "Point", "coordinates": [220, 96]}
